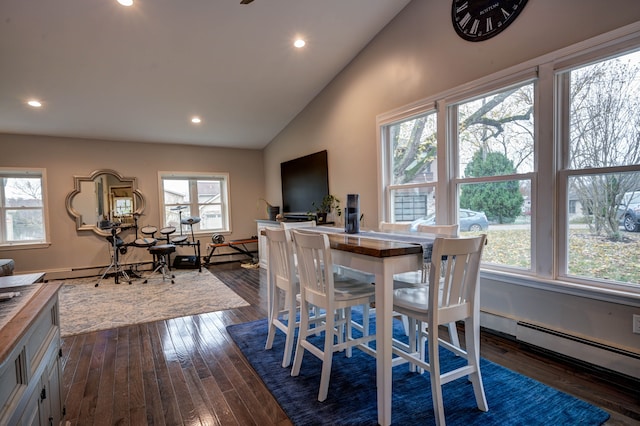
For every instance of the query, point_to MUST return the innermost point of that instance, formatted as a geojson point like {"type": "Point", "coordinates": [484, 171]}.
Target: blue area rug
{"type": "Point", "coordinates": [513, 399]}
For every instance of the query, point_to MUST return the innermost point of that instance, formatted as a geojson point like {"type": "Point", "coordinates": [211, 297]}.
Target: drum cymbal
{"type": "Point", "coordinates": [190, 220]}
{"type": "Point", "coordinates": [178, 208]}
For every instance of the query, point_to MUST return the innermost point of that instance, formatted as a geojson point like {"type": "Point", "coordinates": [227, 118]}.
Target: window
{"type": "Point", "coordinates": [600, 169]}
{"type": "Point", "coordinates": [205, 196]}
{"type": "Point", "coordinates": [495, 164]}
{"type": "Point", "coordinates": [545, 159]}
{"type": "Point", "coordinates": [411, 167]}
{"type": "Point", "coordinates": [22, 207]}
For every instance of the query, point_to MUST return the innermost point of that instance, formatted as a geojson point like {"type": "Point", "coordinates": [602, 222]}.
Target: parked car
{"type": "Point", "coordinates": [629, 211]}
{"type": "Point", "coordinates": [469, 221]}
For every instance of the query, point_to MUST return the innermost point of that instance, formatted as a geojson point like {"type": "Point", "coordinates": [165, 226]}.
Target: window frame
{"type": "Point", "coordinates": [564, 170]}
{"type": "Point", "coordinates": [25, 172]}
{"type": "Point", "coordinates": [457, 180]}
{"type": "Point", "coordinates": [548, 179]}
{"type": "Point", "coordinates": [193, 177]}
{"type": "Point", "coordinates": [384, 122]}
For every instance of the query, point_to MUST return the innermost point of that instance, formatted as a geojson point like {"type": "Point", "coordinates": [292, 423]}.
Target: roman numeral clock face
{"type": "Point", "coordinates": [477, 20]}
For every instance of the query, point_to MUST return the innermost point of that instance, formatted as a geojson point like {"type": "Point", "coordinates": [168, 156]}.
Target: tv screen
{"type": "Point", "coordinates": [305, 180]}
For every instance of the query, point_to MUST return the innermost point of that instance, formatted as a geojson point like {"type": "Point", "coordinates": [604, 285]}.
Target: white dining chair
{"type": "Point", "coordinates": [440, 230]}
{"type": "Point", "coordinates": [301, 224]}
{"type": "Point", "coordinates": [392, 226]}
{"type": "Point", "coordinates": [283, 288]}
{"type": "Point", "coordinates": [444, 231]}
{"type": "Point", "coordinates": [456, 264]}
{"type": "Point", "coordinates": [333, 293]}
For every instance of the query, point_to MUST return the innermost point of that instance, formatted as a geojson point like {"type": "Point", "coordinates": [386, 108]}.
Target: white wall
{"type": "Point", "coordinates": [419, 55]}
{"type": "Point", "coordinates": [64, 158]}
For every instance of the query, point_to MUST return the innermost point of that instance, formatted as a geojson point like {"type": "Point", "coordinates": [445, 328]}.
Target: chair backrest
{"type": "Point", "coordinates": [304, 224]}
{"type": "Point", "coordinates": [314, 258]}
{"type": "Point", "coordinates": [445, 230]}
{"type": "Point", "coordinates": [281, 261]}
{"type": "Point", "coordinates": [389, 226]}
{"type": "Point", "coordinates": [456, 262]}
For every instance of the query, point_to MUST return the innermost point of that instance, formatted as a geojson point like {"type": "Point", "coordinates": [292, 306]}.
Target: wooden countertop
{"type": "Point", "coordinates": [15, 329]}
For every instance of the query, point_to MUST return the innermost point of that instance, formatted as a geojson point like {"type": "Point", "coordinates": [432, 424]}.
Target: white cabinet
{"type": "Point", "coordinates": [262, 240]}
{"type": "Point", "coordinates": [30, 379]}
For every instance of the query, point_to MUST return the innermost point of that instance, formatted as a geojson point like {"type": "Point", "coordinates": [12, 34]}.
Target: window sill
{"type": "Point", "coordinates": [24, 246]}
{"type": "Point", "coordinates": [598, 291]}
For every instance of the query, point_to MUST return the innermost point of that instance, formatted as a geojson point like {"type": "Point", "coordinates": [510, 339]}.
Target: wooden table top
{"type": "Point", "coordinates": [355, 243]}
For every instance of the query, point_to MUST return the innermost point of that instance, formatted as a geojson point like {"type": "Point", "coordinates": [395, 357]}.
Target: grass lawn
{"type": "Point", "coordinates": [589, 256]}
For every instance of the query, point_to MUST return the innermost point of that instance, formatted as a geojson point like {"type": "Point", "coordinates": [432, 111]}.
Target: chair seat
{"type": "Point", "coordinates": [414, 299]}
{"type": "Point", "coordinates": [162, 249]}
{"type": "Point", "coordinates": [349, 288]}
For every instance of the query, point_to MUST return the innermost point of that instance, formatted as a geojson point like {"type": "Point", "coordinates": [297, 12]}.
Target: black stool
{"type": "Point", "coordinates": [162, 253]}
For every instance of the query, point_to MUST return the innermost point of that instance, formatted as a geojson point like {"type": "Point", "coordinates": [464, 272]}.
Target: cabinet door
{"type": "Point", "coordinates": [51, 406]}
{"type": "Point", "coordinates": [262, 247]}
{"type": "Point", "coordinates": [31, 414]}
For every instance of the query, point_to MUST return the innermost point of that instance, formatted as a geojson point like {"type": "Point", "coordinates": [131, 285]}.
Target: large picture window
{"type": "Point", "coordinates": [204, 196]}
{"type": "Point", "coordinates": [22, 207]}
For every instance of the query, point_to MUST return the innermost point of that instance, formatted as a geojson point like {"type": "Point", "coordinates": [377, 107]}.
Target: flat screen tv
{"type": "Point", "coordinates": [305, 181]}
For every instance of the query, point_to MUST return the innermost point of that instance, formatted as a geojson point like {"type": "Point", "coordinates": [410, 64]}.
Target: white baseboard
{"type": "Point", "coordinates": [601, 355]}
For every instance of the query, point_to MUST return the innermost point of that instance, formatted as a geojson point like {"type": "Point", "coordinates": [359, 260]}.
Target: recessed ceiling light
{"type": "Point", "coordinates": [126, 2]}
{"type": "Point", "coordinates": [299, 43]}
{"type": "Point", "coordinates": [196, 120]}
{"type": "Point", "coordinates": [34, 103]}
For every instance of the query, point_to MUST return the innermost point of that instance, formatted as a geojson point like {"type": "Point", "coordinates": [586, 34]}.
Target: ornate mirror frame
{"type": "Point", "coordinates": [120, 191]}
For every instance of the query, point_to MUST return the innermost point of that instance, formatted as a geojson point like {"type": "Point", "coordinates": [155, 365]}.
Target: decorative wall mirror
{"type": "Point", "coordinates": [102, 198]}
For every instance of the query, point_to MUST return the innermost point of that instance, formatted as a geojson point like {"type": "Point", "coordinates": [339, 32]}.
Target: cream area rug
{"type": "Point", "coordinates": [85, 308]}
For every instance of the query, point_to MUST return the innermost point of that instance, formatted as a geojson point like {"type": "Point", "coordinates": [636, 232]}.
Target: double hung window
{"type": "Point", "coordinates": [411, 167]}
{"type": "Point", "coordinates": [495, 170]}
{"type": "Point", "coordinates": [201, 195]}
{"type": "Point", "coordinates": [544, 159]}
{"type": "Point", "coordinates": [22, 206]}
{"type": "Point", "coordinates": [600, 168]}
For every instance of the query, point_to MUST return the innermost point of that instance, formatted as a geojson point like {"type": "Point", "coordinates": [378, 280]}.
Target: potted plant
{"type": "Point", "coordinates": [328, 205]}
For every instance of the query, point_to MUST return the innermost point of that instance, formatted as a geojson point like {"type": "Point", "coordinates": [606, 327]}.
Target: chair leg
{"type": "Point", "coordinates": [405, 324]}
{"type": "Point", "coordinates": [472, 340]}
{"type": "Point", "coordinates": [348, 331]}
{"type": "Point", "coordinates": [273, 313]}
{"type": "Point", "coordinates": [291, 327]}
{"type": "Point", "coordinates": [303, 332]}
{"type": "Point", "coordinates": [436, 382]}
{"type": "Point", "coordinates": [327, 358]}
{"type": "Point", "coordinates": [413, 341]}
{"type": "Point", "coordinates": [453, 334]}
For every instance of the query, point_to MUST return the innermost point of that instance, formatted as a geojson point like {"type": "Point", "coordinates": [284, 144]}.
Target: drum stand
{"type": "Point", "coordinates": [115, 258]}
{"type": "Point", "coordinates": [135, 272]}
{"type": "Point", "coordinates": [194, 243]}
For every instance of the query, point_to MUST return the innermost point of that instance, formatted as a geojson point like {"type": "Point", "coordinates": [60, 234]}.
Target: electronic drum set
{"type": "Point", "coordinates": [160, 247]}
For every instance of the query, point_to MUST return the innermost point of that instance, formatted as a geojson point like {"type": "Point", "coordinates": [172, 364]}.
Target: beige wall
{"type": "Point", "coordinates": [65, 157]}
{"type": "Point", "coordinates": [418, 56]}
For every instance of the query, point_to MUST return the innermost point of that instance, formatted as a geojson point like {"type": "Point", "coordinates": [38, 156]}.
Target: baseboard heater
{"type": "Point", "coordinates": [606, 356]}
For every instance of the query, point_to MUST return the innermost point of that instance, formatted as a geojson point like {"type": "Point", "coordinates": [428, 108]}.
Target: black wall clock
{"type": "Point", "coordinates": [477, 20]}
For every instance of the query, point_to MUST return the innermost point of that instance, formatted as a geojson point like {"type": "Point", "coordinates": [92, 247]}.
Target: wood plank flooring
{"type": "Point", "coordinates": [188, 371]}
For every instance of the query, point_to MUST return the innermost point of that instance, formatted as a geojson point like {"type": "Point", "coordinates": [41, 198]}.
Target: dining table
{"type": "Point", "coordinates": [382, 254]}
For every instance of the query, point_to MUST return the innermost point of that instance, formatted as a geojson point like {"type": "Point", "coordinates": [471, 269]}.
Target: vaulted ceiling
{"type": "Point", "coordinates": [141, 73]}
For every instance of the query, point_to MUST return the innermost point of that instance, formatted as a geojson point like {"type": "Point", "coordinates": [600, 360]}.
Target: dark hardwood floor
{"type": "Point", "coordinates": [188, 371]}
